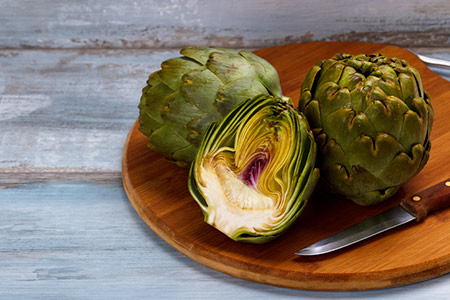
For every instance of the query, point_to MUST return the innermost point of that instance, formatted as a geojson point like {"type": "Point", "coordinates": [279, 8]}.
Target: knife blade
{"type": "Point", "coordinates": [415, 207]}
{"type": "Point", "coordinates": [431, 60]}
{"type": "Point", "coordinates": [434, 61]}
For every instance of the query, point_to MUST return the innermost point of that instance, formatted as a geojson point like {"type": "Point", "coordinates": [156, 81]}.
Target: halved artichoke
{"type": "Point", "coordinates": [190, 92]}
{"type": "Point", "coordinates": [372, 121]}
{"type": "Point", "coordinates": [254, 171]}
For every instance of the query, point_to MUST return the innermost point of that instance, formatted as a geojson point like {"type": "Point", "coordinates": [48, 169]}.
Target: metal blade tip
{"type": "Point", "coordinates": [389, 219]}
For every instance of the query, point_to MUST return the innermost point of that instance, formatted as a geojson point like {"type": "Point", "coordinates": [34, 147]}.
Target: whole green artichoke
{"type": "Point", "coordinates": [372, 121]}
{"type": "Point", "coordinates": [254, 170]}
{"type": "Point", "coordinates": [190, 92]}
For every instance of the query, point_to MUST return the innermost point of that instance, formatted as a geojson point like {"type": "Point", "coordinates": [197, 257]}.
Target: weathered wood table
{"type": "Point", "coordinates": [71, 75]}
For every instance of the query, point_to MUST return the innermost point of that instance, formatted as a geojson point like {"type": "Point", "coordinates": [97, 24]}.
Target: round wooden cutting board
{"type": "Point", "coordinates": [413, 252]}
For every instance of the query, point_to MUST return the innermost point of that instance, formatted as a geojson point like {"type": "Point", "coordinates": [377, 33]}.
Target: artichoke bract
{"type": "Point", "coordinates": [372, 121]}
{"type": "Point", "coordinates": [254, 170]}
{"type": "Point", "coordinates": [190, 92]}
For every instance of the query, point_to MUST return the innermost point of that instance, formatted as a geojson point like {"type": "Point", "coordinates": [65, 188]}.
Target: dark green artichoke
{"type": "Point", "coordinates": [190, 92]}
{"type": "Point", "coordinates": [254, 171]}
{"type": "Point", "coordinates": [372, 121]}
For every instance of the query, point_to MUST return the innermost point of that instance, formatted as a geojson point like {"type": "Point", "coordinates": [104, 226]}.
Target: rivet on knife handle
{"type": "Point", "coordinates": [428, 200]}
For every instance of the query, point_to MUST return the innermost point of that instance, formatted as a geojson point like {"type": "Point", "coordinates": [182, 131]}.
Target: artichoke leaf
{"type": "Point", "coordinates": [332, 74]}
{"type": "Point", "coordinates": [229, 66]}
{"type": "Point", "coordinates": [200, 85]}
{"type": "Point", "coordinates": [164, 139]}
{"type": "Point", "coordinates": [177, 113]}
{"type": "Point", "coordinates": [232, 93]}
{"type": "Point", "coordinates": [400, 168]}
{"type": "Point", "coordinates": [309, 81]}
{"type": "Point", "coordinates": [172, 70]}
{"type": "Point", "coordinates": [266, 73]}
{"type": "Point", "coordinates": [388, 115]}
{"type": "Point", "coordinates": [200, 54]}
{"type": "Point", "coordinates": [350, 78]}
{"type": "Point", "coordinates": [413, 130]}
{"type": "Point", "coordinates": [337, 99]}
{"type": "Point", "coordinates": [409, 87]}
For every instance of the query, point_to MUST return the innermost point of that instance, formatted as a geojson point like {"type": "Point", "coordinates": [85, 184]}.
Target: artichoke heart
{"type": "Point", "coordinates": [372, 120]}
{"type": "Point", "coordinates": [254, 171]}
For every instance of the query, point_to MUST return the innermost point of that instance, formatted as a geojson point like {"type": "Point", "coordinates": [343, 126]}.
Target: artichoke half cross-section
{"type": "Point", "coordinates": [372, 120]}
{"type": "Point", "coordinates": [254, 171]}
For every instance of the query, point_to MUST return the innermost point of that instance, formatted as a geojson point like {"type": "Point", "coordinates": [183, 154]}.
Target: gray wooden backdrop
{"type": "Point", "coordinates": [231, 23]}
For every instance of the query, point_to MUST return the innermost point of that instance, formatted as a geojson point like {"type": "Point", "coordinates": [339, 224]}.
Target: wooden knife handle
{"type": "Point", "coordinates": [428, 200]}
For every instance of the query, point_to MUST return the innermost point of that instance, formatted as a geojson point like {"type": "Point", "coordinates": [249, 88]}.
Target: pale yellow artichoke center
{"type": "Point", "coordinates": [233, 203]}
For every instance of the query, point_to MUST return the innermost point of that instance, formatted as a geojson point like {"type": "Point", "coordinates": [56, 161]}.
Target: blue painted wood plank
{"type": "Point", "coordinates": [85, 241]}
{"type": "Point", "coordinates": [70, 109]}
{"type": "Point", "coordinates": [233, 23]}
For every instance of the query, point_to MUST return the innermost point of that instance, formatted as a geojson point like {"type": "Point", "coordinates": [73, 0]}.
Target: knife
{"type": "Point", "coordinates": [431, 60]}
{"type": "Point", "coordinates": [415, 207]}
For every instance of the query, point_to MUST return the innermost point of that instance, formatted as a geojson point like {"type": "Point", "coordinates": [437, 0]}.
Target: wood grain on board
{"type": "Point", "coordinates": [158, 191]}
